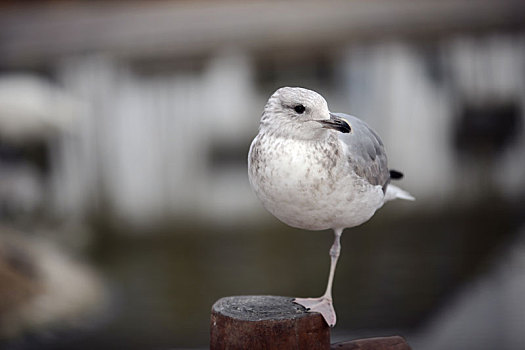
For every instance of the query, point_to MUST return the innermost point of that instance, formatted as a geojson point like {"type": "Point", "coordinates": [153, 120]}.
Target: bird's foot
{"type": "Point", "coordinates": [323, 305]}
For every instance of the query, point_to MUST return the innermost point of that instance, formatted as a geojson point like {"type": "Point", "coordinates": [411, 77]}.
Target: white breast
{"type": "Point", "coordinates": [308, 185]}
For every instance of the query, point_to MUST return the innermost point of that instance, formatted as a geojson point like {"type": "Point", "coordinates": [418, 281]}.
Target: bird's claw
{"type": "Point", "coordinates": [321, 305]}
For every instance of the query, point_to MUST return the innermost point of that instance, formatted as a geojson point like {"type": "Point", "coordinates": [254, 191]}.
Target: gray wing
{"type": "Point", "coordinates": [366, 152]}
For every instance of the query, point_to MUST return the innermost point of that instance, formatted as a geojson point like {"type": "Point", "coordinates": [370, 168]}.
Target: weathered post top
{"type": "Point", "coordinates": [266, 322]}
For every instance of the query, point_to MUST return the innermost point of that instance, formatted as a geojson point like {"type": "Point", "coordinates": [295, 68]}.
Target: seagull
{"type": "Point", "coordinates": [317, 170]}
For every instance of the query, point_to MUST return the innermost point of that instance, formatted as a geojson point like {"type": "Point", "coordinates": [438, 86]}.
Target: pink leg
{"type": "Point", "coordinates": [324, 304]}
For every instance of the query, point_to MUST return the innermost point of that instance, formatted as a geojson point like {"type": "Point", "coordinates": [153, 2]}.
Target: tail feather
{"type": "Point", "coordinates": [394, 192]}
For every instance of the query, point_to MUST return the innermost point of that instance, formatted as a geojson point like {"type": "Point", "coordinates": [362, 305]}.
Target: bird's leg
{"type": "Point", "coordinates": [334, 256]}
{"type": "Point", "coordinates": [324, 305]}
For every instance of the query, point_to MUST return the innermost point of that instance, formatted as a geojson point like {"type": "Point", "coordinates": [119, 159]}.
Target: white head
{"type": "Point", "coordinates": [299, 113]}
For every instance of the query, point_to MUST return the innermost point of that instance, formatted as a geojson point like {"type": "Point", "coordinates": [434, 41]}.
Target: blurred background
{"type": "Point", "coordinates": [125, 207]}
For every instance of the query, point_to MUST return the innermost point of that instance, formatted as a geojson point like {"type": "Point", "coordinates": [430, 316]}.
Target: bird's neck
{"type": "Point", "coordinates": [324, 137]}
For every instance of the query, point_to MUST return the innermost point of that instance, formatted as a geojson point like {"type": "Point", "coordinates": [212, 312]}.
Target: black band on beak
{"type": "Point", "coordinates": [336, 123]}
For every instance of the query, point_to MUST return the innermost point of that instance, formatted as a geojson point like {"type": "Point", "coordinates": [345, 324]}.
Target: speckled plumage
{"type": "Point", "coordinates": [331, 180]}
{"type": "Point", "coordinates": [310, 184]}
{"type": "Point", "coordinates": [312, 171]}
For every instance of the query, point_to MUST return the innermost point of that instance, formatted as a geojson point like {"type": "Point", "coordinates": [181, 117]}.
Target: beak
{"type": "Point", "coordinates": [335, 123]}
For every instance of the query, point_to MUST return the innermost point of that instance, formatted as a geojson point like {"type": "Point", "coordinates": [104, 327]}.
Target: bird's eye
{"type": "Point", "coordinates": [299, 109]}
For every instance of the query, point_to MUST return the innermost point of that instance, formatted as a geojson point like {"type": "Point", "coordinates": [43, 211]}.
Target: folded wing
{"type": "Point", "coordinates": [366, 152]}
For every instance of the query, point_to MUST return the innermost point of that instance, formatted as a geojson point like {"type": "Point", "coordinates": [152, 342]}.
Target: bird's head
{"type": "Point", "coordinates": [300, 114]}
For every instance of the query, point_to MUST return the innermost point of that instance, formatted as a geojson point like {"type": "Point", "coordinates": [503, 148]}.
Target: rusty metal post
{"type": "Point", "coordinates": [381, 343]}
{"type": "Point", "coordinates": [266, 322]}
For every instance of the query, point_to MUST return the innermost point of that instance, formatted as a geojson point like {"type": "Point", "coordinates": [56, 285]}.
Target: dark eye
{"type": "Point", "coordinates": [299, 109]}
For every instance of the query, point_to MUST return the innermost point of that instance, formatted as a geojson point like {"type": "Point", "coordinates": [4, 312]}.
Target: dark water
{"type": "Point", "coordinates": [395, 272]}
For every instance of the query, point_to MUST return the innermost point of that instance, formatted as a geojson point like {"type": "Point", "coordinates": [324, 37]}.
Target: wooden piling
{"type": "Point", "coordinates": [274, 322]}
{"type": "Point", "coordinates": [266, 322]}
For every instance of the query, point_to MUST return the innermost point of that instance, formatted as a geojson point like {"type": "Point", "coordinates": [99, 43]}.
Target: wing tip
{"type": "Point", "coordinates": [396, 175]}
